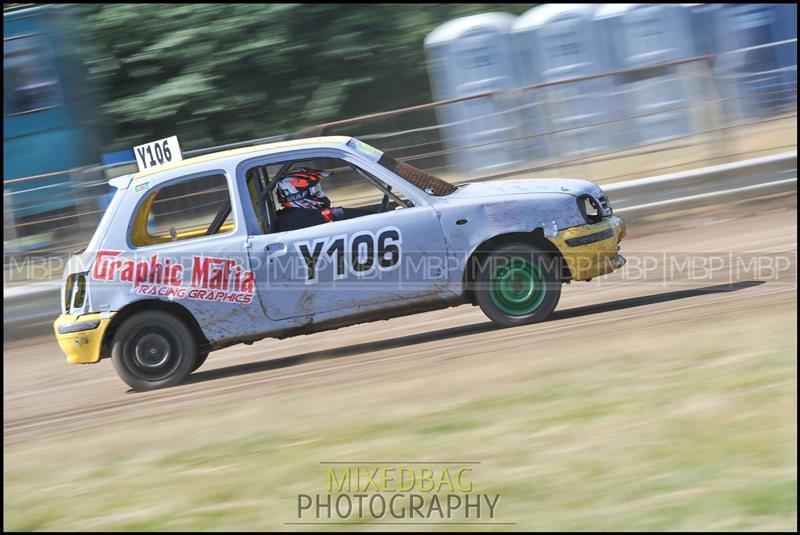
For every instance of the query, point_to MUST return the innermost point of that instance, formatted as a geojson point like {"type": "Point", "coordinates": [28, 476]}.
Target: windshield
{"type": "Point", "coordinates": [425, 181]}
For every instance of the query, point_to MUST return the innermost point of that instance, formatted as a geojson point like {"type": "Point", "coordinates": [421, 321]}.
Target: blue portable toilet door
{"type": "Point", "coordinates": [754, 25]}
{"type": "Point", "coordinates": [483, 66]}
{"type": "Point", "coordinates": [660, 101]}
{"type": "Point", "coordinates": [566, 50]}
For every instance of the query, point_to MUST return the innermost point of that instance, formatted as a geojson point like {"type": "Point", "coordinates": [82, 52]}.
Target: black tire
{"type": "Point", "coordinates": [537, 298]}
{"type": "Point", "coordinates": [201, 358]}
{"type": "Point", "coordinates": [153, 349]}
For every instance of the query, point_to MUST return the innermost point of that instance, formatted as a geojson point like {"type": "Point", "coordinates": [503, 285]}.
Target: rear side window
{"type": "Point", "coordinates": [184, 210]}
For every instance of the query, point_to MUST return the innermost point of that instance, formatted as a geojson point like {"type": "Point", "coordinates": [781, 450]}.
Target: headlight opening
{"type": "Point", "coordinates": [590, 209]}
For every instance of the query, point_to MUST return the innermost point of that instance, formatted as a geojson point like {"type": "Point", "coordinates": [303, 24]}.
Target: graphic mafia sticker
{"type": "Point", "coordinates": [210, 279]}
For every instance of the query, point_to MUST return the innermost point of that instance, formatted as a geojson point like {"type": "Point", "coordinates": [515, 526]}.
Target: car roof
{"type": "Point", "coordinates": [264, 147]}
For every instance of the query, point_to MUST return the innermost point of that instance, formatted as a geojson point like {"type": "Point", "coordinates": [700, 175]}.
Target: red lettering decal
{"type": "Point", "coordinates": [155, 270]}
{"type": "Point", "coordinates": [175, 275]}
{"type": "Point", "coordinates": [227, 273]}
{"type": "Point", "coordinates": [216, 281]}
{"type": "Point", "coordinates": [126, 275]}
{"type": "Point", "coordinates": [112, 268]}
{"type": "Point", "coordinates": [141, 273]}
{"type": "Point", "coordinates": [249, 282]}
{"type": "Point", "coordinates": [100, 268]}
{"type": "Point", "coordinates": [200, 272]}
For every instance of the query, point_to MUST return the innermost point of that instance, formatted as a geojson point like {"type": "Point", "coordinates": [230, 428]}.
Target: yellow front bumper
{"type": "Point", "coordinates": [592, 250]}
{"type": "Point", "coordinates": [81, 346]}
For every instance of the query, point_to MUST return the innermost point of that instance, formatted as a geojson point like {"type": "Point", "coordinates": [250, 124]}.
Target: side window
{"type": "Point", "coordinates": [348, 191]}
{"type": "Point", "coordinates": [180, 211]}
{"type": "Point", "coordinates": [29, 80]}
{"type": "Point", "coordinates": [347, 186]}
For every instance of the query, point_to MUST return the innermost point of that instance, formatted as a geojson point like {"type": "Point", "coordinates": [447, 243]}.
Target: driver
{"type": "Point", "coordinates": [304, 203]}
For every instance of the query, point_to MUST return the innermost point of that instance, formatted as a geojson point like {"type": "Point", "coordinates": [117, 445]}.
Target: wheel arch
{"type": "Point", "coordinates": [535, 237]}
{"type": "Point", "coordinates": [170, 307]}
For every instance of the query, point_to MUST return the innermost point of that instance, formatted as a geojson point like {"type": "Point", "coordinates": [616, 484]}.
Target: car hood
{"type": "Point", "coordinates": [527, 186]}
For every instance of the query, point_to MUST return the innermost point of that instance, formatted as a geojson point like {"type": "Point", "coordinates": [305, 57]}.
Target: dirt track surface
{"type": "Point", "coordinates": [43, 395]}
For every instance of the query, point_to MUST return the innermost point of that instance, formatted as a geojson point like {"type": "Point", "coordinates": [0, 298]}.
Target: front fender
{"type": "Point", "coordinates": [468, 225]}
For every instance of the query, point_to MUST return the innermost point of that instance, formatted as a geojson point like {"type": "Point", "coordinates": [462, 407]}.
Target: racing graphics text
{"type": "Point", "coordinates": [209, 279]}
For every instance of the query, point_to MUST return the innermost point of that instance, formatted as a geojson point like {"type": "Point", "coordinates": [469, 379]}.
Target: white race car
{"type": "Point", "coordinates": [189, 257]}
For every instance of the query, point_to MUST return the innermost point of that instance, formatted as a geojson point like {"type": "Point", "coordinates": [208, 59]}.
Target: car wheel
{"type": "Point", "coordinates": [201, 358]}
{"type": "Point", "coordinates": [518, 284]}
{"type": "Point", "coordinates": [153, 349]}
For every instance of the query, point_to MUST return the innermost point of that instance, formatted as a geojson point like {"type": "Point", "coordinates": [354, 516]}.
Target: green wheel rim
{"type": "Point", "coordinates": [518, 287]}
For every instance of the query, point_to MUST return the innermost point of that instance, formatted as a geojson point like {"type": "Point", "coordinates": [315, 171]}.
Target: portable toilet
{"type": "Point", "coordinates": [701, 17]}
{"type": "Point", "coordinates": [787, 52]}
{"type": "Point", "coordinates": [468, 56]}
{"type": "Point", "coordinates": [755, 67]}
{"type": "Point", "coordinates": [656, 98]}
{"type": "Point", "coordinates": [557, 42]}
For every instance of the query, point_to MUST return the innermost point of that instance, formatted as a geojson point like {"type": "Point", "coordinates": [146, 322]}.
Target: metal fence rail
{"type": "Point", "coordinates": [31, 309]}
{"type": "Point", "coordinates": [531, 128]}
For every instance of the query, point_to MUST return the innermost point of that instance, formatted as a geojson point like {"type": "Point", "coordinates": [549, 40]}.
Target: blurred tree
{"type": "Point", "coordinates": [219, 73]}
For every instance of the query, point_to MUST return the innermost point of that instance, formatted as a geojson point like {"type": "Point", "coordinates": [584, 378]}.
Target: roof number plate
{"type": "Point", "coordinates": [158, 153]}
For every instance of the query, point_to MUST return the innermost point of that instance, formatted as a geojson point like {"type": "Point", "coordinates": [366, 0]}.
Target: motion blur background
{"type": "Point", "coordinates": [652, 399]}
{"type": "Point", "coordinates": [604, 92]}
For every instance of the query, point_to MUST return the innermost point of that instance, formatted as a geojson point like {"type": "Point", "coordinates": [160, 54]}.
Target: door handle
{"type": "Point", "coordinates": [275, 248]}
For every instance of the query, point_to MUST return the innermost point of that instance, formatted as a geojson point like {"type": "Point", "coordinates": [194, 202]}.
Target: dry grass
{"type": "Point", "coordinates": [681, 426]}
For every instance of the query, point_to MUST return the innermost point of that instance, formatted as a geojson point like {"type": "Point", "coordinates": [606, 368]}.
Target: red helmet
{"type": "Point", "coordinates": [300, 189]}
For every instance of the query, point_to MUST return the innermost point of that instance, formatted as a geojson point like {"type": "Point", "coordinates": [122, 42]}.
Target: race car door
{"type": "Point", "coordinates": [343, 266]}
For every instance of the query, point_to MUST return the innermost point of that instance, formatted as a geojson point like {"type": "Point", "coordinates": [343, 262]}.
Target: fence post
{"type": "Point", "coordinates": [88, 197]}
{"type": "Point", "coordinates": [9, 226]}
{"type": "Point", "coordinates": [553, 152]}
{"type": "Point", "coordinates": [506, 106]}
{"type": "Point", "coordinates": [714, 111]}
{"type": "Point", "coordinates": [571, 131]}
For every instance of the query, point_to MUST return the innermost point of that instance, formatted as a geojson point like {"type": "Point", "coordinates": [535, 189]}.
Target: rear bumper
{"type": "Point", "coordinates": [592, 250]}
{"type": "Point", "coordinates": [80, 337]}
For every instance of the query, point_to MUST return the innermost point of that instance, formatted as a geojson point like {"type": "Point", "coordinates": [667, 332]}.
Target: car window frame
{"type": "Point", "coordinates": [413, 194]}
{"type": "Point", "coordinates": [134, 213]}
